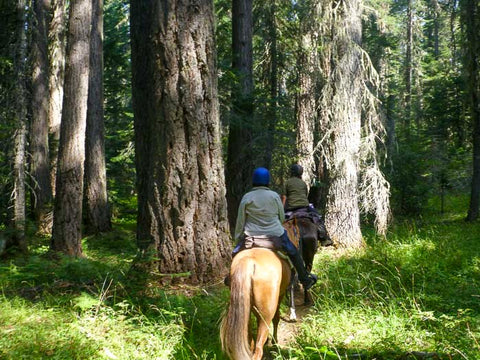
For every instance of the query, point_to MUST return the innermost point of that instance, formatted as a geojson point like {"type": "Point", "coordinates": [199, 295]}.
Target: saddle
{"type": "Point", "coordinates": [262, 241]}
{"type": "Point", "coordinates": [307, 212]}
{"type": "Point", "coordinates": [311, 214]}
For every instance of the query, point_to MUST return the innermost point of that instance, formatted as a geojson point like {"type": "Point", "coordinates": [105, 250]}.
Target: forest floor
{"type": "Point", "coordinates": [414, 296]}
{"type": "Point", "coordinates": [287, 329]}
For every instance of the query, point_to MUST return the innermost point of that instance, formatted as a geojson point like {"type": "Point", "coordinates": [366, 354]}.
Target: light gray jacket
{"type": "Point", "coordinates": [260, 213]}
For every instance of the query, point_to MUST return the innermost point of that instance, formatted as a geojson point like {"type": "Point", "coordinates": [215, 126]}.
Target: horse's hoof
{"type": "Point", "coordinates": [293, 315]}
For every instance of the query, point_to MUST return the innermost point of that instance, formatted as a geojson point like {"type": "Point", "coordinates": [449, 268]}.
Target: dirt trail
{"type": "Point", "coordinates": [287, 329]}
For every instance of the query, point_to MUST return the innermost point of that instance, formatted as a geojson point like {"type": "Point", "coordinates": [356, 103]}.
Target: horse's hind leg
{"type": "Point", "coordinates": [275, 321]}
{"type": "Point", "coordinates": [262, 336]}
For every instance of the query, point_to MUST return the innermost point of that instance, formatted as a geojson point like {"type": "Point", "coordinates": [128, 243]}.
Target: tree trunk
{"type": "Point", "coordinates": [472, 28]}
{"type": "Point", "coordinates": [408, 69]}
{"type": "Point", "coordinates": [40, 165]}
{"type": "Point", "coordinates": [273, 104]}
{"type": "Point", "coordinates": [19, 161]}
{"type": "Point", "coordinates": [67, 219]}
{"type": "Point", "coordinates": [306, 99]}
{"type": "Point", "coordinates": [240, 165]}
{"type": "Point", "coordinates": [182, 217]}
{"type": "Point", "coordinates": [57, 46]}
{"type": "Point", "coordinates": [436, 28]}
{"type": "Point", "coordinates": [97, 210]}
{"type": "Point", "coordinates": [341, 111]}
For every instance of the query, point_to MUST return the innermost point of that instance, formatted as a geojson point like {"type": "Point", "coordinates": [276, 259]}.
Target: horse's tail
{"type": "Point", "coordinates": [234, 326]}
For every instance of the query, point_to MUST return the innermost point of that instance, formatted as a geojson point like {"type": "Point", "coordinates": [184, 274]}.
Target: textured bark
{"type": "Point", "coordinates": [309, 84]}
{"type": "Point", "coordinates": [182, 217]}
{"type": "Point", "coordinates": [306, 104]}
{"type": "Point", "coordinates": [240, 154]}
{"type": "Point", "coordinates": [408, 68]}
{"type": "Point", "coordinates": [341, 120]}
{"type": "Point", "coordinates": [57, 46]}
{"type": "Point", "coordinates": [40, 163]}
{"type": "Point", "coordinates": [273, 104]}
{"type": "Point", "coordinates": [472, 29]}
{"type": "Point", "coordinates": [436, 27]}
{"type": "Point", "coordinates": [97, 212]}
{"type": "Point", "coordinates": [18, 195]}
{"type": "Point", "coordinates": [67, 219]}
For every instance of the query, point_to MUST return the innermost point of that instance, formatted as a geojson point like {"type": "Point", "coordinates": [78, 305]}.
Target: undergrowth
{"type": "Point", "coordinates": [412, 295]}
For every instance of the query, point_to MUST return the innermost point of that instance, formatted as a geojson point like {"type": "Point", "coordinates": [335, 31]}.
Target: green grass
{"type": "Point", "coordinates": [414, 295]}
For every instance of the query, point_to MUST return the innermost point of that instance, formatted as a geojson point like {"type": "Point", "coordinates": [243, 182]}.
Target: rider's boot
{"type": "Point", "coordinates": [307, 280]}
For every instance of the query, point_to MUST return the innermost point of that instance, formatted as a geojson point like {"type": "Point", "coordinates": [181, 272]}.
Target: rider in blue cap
{"type": "Point", "coordinates": [260, 213]}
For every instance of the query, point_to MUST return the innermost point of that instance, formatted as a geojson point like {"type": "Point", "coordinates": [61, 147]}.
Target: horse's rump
{"type": "Point", "coordinates": [259, 279]}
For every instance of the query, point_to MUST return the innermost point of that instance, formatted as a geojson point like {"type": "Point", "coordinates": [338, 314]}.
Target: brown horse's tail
{"type": "Point", "coordinates": [234, 326]}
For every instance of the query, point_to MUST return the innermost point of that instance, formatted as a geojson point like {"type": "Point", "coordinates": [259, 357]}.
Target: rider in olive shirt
{"type": "Point", "coordinates": [295, 193]}
{"type": "Point", "coordinates": [261, 213]}
{"type": "Point", "coordinates": [295, 201]}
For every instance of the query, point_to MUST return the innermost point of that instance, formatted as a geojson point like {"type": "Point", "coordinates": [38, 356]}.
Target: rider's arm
{"type": "Point", "coordinates": [281, 211]}
{"type": "Point", "coordinates": [239, 226]}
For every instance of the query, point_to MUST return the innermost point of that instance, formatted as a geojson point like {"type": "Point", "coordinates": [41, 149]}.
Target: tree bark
{"type": "Point", "coordinates": [57, 45]}
{"type": "Point", "coordinates": [240, 165]}
{"type": "Point", "coordinates": [97, 212]}
{"type": "Point", "coordinates": [67, 220]}
{"type": "Point", "coordinates": [408, 69]}
{"type": "Point", "coordinates": [307, 98]}
{"type": "Point", "coordinates": [472, 28]}
{"type": "Point", "coordinates": [19, 161]}
{"type": "Point", "coordinates": [341, 110]}
{"type": "Point", "coordinates": [273, 103]}
{"type": "Point", "coordinates": [436, 28]}
{"type": "Point", "coordinates": [182, 217]}
{"type": "Point", "coordinates": [40, 164]}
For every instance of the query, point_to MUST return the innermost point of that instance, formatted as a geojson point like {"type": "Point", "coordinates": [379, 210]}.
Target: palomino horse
{"type": "Point", "coordinates": [258, 282]}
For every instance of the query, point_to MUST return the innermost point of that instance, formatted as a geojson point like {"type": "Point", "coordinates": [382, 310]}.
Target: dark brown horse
{"type": "Point", "coordinates": [258, 282]}
{"type": "Point", "coordinates": [310, 237]}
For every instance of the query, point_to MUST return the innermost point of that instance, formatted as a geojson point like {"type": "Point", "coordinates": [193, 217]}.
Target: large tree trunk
{"type": "Point", "coordinates": [240, 165]}
{"type": "Point", "coordinates": [40, 164]}
{"type": "Point", "coordinates": [67, 219]}
{"type": "Point", "coordinates": [273, 103]}
{"type": "Point", "coordinates": [472, 28]}
{"type": "Point", "coordinates": [341, 119]}
{"type": "Point", "coordinates": [97, 212]}
{"type": "Point", "coordinates": [19, 161]}
{"type": "Point", "coordinates": [307, 97]}
{"type": "Point", "coordinates": [182, 217]}
{"type": "Point", "coordinates": [57, 46]}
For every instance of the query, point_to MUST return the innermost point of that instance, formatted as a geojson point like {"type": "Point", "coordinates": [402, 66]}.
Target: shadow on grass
{"type": "Point", "coordinates": [326, 353]}
{"type": "Point", "coordinates": [107, 257]}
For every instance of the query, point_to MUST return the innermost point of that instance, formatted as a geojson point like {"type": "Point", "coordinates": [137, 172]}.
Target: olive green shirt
{"type": "Point", "coordinates": [260, 213]}
{"type": "Point", "coordinates": [296, 192]}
